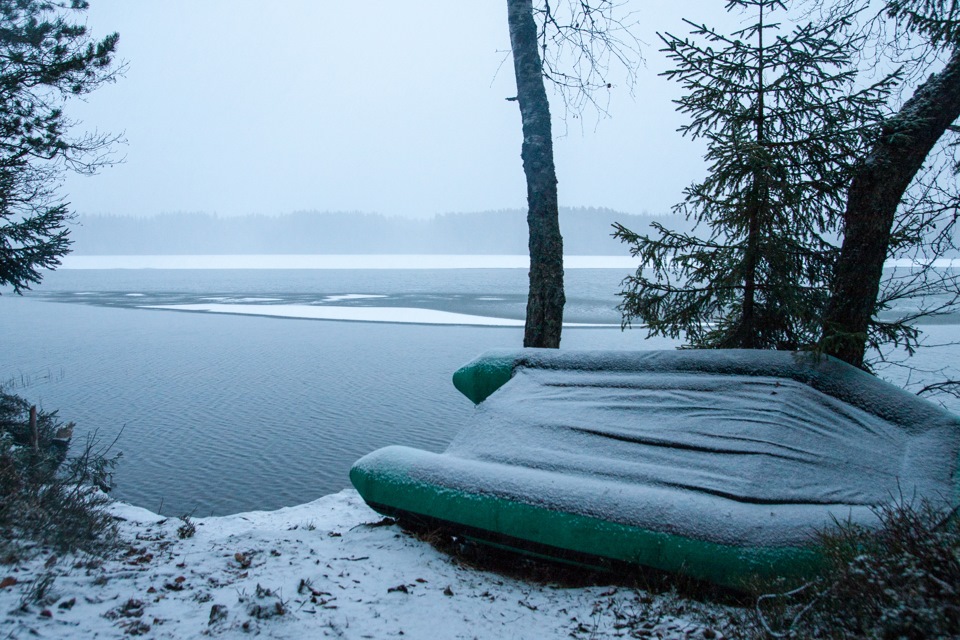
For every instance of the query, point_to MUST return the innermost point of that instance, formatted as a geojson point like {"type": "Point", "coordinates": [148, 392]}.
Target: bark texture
{"type": "Point", "coordinates": [546, 299]}
{"type": "Point", "coordinates": [875, 193]}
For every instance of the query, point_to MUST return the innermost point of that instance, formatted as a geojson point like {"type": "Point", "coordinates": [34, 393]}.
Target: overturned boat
{"type": "Point", "coordinates": [719, 464]}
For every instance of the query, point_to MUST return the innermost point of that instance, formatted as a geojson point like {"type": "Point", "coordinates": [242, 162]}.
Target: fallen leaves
{"type": "Point", "coordinates": [176, 585]}
{"type": "Point", "coordinates": [132, 608]}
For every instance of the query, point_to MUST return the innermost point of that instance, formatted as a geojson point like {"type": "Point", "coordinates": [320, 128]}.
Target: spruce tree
{"type": "Point", "coordinates": [784, 122]}
{"type": "Point", "coordinates": [45, 60]}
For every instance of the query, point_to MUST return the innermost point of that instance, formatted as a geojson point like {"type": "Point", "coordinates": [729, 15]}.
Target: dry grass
{"type": "Point", "coordinates": [47, 498]}
{"type": "Point", "coordinates": [900, 580]}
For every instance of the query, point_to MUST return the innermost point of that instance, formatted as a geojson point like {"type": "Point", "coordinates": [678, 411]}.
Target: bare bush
{"type": "Point", "coordinates": [900, 580]}
{"type": "Point", "coordinates": [47, 498]}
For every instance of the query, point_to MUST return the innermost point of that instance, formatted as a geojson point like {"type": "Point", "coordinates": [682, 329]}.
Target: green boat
{"type": "Point", "coordinates": [720, 464]}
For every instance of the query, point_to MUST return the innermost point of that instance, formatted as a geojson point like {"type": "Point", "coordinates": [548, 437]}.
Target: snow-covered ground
{"type": "Point", "coordinates": [330, 568]}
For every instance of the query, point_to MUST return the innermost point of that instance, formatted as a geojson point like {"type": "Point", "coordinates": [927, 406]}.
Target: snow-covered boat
{"type": "Point", "coordinates": [721, 465]}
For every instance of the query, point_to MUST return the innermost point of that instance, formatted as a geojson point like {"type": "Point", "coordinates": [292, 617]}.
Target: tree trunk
{"type": "Point", "coordinates": [545, 300]}
{"type": "Point", "coordinates": [747, 338]}
{"type": "Point", "coordinates": [875, 193]}
{"type": "Point", "coordinates": [758, 205]}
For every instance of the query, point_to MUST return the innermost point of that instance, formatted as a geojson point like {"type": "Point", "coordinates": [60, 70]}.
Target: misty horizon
{"type": "Point", "coordinates": [587, 231]}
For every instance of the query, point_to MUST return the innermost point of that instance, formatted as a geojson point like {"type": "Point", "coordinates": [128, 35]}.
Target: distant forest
{"type": "Point", "coordinates": [586, 231]}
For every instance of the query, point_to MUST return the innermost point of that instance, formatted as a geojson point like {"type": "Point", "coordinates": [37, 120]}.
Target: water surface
{"type": "Point", "coordinates": [224, 413]}
{"type": "Point", "coordinates": [227, 413]}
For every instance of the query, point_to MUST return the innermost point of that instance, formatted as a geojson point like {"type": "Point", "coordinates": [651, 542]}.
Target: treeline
{"type": "Point", "coordinates": [586, 231]}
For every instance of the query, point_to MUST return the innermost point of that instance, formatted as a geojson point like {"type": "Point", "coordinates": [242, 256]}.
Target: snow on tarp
{"type": "Point", "coordinates": [717, 463]}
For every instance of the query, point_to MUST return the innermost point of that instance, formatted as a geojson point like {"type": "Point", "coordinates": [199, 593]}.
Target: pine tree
{"type": "Point", "coordinates": [44, 60]}
{"type": "Point", "coordinates": [783, 123]}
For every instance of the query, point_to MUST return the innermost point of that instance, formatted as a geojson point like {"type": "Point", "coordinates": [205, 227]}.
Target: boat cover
{"type": "Point", "coordinates": [721, 464]}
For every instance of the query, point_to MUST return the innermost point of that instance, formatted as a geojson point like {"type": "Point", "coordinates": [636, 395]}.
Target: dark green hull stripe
{"type": "Point", "coordinates": [537, 529]}
{"type": "Point", "coordinates": [501, 541]}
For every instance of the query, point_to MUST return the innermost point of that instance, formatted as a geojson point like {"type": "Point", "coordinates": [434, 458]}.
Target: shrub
{"type": "Point", "coordinates": [46, 497]}
{"type": "Point", "coordinates": [899, 580]}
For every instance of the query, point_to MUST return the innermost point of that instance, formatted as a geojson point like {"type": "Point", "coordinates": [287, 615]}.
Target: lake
{"type": "Point", "coordinates": [227, 413]}
{"type": "Point", "coordinates": [220, 412]}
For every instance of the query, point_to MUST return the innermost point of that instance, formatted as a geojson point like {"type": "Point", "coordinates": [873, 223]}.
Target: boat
{"type": "Point", "coordinates": [721, 465]}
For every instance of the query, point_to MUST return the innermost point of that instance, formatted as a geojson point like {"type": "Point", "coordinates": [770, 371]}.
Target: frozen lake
{"type": "Point", "coordinates": [222, 411]}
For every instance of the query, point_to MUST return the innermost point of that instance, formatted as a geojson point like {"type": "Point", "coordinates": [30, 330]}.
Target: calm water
{"type": "Point", "coordinates": [228, 413]}
{"type": "Point", "coordinates": [221, 414]}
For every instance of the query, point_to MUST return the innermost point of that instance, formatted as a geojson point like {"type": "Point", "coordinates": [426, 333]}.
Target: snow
{"type": "Point", "coordinates": [732, 459]}
{"type": "Point", "coordinates": [754, 449]}
{"type": "Point", "coordinates": [406, 315]}
{"type": "Point", "coordinates": [329, 568]}
{"type": "Point", "coordinates": [353, 296]}
{"type": "Point", "coordinates": [336, 262]}
{"type": "Point", "coordinates": [294, 261]}
{"type": "Point", "coordinates": [228, 299]}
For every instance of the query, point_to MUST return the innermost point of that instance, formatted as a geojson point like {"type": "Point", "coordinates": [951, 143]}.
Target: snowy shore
{"type": "Point", "coordinates": [329, 568]}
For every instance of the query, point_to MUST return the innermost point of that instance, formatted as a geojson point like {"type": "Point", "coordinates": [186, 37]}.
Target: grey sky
{"type": "Point", "coordinates": [237, 107]}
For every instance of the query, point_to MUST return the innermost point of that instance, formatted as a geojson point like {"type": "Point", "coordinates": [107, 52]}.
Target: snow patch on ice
{"type": "Point", "coordinates": [231, 299]}
{"type": "Point", "coordinates": [397, 315]}
{"type": "Point", "coordinates": [336, 262]}
{"type": "Point", "coordinates": [352, 296]}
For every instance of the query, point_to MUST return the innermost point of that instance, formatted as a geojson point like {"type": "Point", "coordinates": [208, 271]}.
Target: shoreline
{"type": "Point", "coordinates": [327, 568]}
{"type": "Point", "coordinates": [333, 261]}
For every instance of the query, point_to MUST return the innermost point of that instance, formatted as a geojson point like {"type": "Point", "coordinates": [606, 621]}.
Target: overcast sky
{"type": "Point", "coordinates": [240, 106]}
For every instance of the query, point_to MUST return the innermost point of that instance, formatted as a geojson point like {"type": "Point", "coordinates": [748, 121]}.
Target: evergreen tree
{"type": "Point", "coordinates": [44, 60]}
{"type": "Point", "coordinates": [783, 123]}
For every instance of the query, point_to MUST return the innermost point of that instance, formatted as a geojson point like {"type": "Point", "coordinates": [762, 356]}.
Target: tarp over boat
{"type": "Point", "coordinates": [717, 463]}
